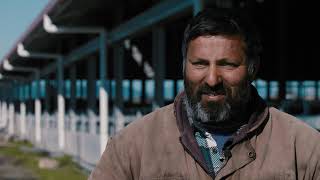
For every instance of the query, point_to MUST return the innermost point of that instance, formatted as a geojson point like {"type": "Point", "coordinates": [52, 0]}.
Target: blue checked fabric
{"type": "Point", "coordinates": [210, 151]}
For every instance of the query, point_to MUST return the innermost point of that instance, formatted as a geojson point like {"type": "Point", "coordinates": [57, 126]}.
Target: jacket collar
{"type": "Point", "coordinates": [260, 114]}
{"type": "Point", "coordinates": [186, 130]}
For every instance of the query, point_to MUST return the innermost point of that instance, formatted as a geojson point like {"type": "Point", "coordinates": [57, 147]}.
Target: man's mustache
{"type": "Point", "coordinates": [217, 89]}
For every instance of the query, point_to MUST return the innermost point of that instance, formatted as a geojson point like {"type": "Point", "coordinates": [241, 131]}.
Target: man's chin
{"type": "Point", "coordinates": [210, 105]}
{"type": "Point", "coordinates": [214, 113]}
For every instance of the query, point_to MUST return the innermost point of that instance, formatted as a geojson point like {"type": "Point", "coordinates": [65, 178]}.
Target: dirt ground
{"type": "Point", "coordinates": [10, 168]}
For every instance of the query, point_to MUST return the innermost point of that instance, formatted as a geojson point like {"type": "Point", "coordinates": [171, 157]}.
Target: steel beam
{"type": "Point", "coordinates": [85, 50]}
{"type": "Point", "coordinates": [197, 6]}
{"type": "Point", "coordinates": [75, 55]}
{"type": "Point", "coordinates": [149, 18]}
{"type": "Point", "coordinates": [14, 77]}
{"type": "Point", "coordinates": [136, 24]}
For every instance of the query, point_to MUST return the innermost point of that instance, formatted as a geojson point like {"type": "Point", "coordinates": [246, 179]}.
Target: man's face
{"type": "Point", "coordinates": [215, 77]}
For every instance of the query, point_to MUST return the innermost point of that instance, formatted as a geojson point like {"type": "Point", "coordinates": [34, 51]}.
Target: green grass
{"type": "Point", "coordinates": [67, 169]}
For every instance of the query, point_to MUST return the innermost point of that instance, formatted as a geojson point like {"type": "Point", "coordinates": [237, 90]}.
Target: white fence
{"type": "Point", "coordinates": [82, 138]}
{"type": "Point", "coordinates": [81, 134]}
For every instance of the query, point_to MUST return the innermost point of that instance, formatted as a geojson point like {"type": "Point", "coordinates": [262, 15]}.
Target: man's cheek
{"type": "Point", "coordinates": [194, 90]}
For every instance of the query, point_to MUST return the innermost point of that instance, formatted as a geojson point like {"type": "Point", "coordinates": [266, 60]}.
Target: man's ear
{"type": "Point", "coordinates": [253, 70]}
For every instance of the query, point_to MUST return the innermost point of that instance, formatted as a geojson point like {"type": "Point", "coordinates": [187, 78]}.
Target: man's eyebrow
{"type": "Point", "coordinates": [232, 62]}
{"type": "Point", "coordinates": [224, 60]}
{"type": "Point", "coordinates": [227, 60]}
{"type": "Point", "coordinates": [198, 59]}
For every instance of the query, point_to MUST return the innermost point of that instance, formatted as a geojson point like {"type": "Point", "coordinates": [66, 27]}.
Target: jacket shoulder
{"type": "Point", "coordinates": [123, 154]}
{"type": "Point", "coordinates": [295, 125]}
{"type": "Point", "coordinates": [305, 141]}
{"type": "Point", "coordinates": [150, 123]}
{"type": "Point", "coordinates": [302, 137]}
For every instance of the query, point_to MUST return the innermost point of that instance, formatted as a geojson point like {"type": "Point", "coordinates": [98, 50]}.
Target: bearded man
{"type": "Point", "coordinates": [219, 128]}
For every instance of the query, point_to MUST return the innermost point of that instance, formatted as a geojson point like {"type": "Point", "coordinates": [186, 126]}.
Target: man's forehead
{"type": "Point", "coordinates": [215, 45]}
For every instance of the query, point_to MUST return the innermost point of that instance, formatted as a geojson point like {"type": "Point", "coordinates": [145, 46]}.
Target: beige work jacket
{"type": "Point", "coordinates": [278, 147]}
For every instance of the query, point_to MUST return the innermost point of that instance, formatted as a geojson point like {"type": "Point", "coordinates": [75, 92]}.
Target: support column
{"type": "Point", "coordinates": [4, 112]}
{"type": "Point", "coordinates": [103, 95]}
{"type": "Point", "coordinates": [11, 119]}
{"type": "Point", "coordinates": [300, 90]}
{"type": "Point", "coordinates": [16, 106]}
{"type": "Point", "coordinates": [4, 107]}
{"type": "Point", "coordinates": [1, 100]}
{"type": "Point", "coordinates": [11, 112]}
{"type": "Point", "coordinates": [61, 103]}
{"type": "Point", "coordinates": [29, 109]}
{"type": "Point", "coordinates": [22, 113]}
{"type": "Point", "coordinates": [91, 95]}
{"type": "Point", "coordinates": [159, 60]}
{"type": "Point", "coordinates": [47, 102]}
{"type": "Point", "coordinates": [268, 90]}
{"type": "Point", "coordinates": [118, 67]}
{"type": "Point", "coordinates": [143, 92]}
{"type": "Point", "coordinates": [73, 79]}
{"type": "Point", "coordinates": [175, 87]}
{"type": "Point", "coordinates": [130, 90]}
{"type": "Point", "coordinates": [2, 124]}
{"type": "Point", "coordinates": [37, 109]}
{"type": "Point", "coordinates": [317, 90]}
{"type": "Point", "coordinates": [281, 46]}
{"type": "Point", "coordinates": [48, 96]}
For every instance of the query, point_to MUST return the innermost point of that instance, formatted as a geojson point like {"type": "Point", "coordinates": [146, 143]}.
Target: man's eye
{"type": "Point", "coordinates": [232, 64]}
{"type": "Point", "coordinates": [199, 64]}
{"type": "Point", "coordinates": [229, 64]}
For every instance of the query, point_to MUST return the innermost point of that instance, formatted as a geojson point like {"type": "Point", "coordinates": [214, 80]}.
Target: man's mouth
{"type": "Point", "coordinates": [213, 95]}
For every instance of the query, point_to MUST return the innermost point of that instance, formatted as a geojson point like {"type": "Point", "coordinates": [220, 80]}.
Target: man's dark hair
{"type": "Point", "coordinates": [229, 22]}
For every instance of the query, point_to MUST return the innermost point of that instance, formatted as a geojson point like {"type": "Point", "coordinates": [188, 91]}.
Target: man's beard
{"type": "Point", "coordinates": [232, 108]}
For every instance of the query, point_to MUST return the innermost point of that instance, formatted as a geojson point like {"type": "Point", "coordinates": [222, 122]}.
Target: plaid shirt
{"type": "Point", "coordinates": [209, 148]}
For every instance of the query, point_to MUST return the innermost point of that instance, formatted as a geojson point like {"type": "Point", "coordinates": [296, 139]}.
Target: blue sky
{"type": "Point", "coordinates": [15, 18]}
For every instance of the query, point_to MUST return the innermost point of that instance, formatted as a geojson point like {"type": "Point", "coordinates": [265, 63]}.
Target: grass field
{"type": "Point", "coordinates": [66, 170]}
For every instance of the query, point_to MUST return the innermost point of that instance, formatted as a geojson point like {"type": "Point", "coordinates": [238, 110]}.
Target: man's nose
{"type": "Point", "coordinates": [213, 76]}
